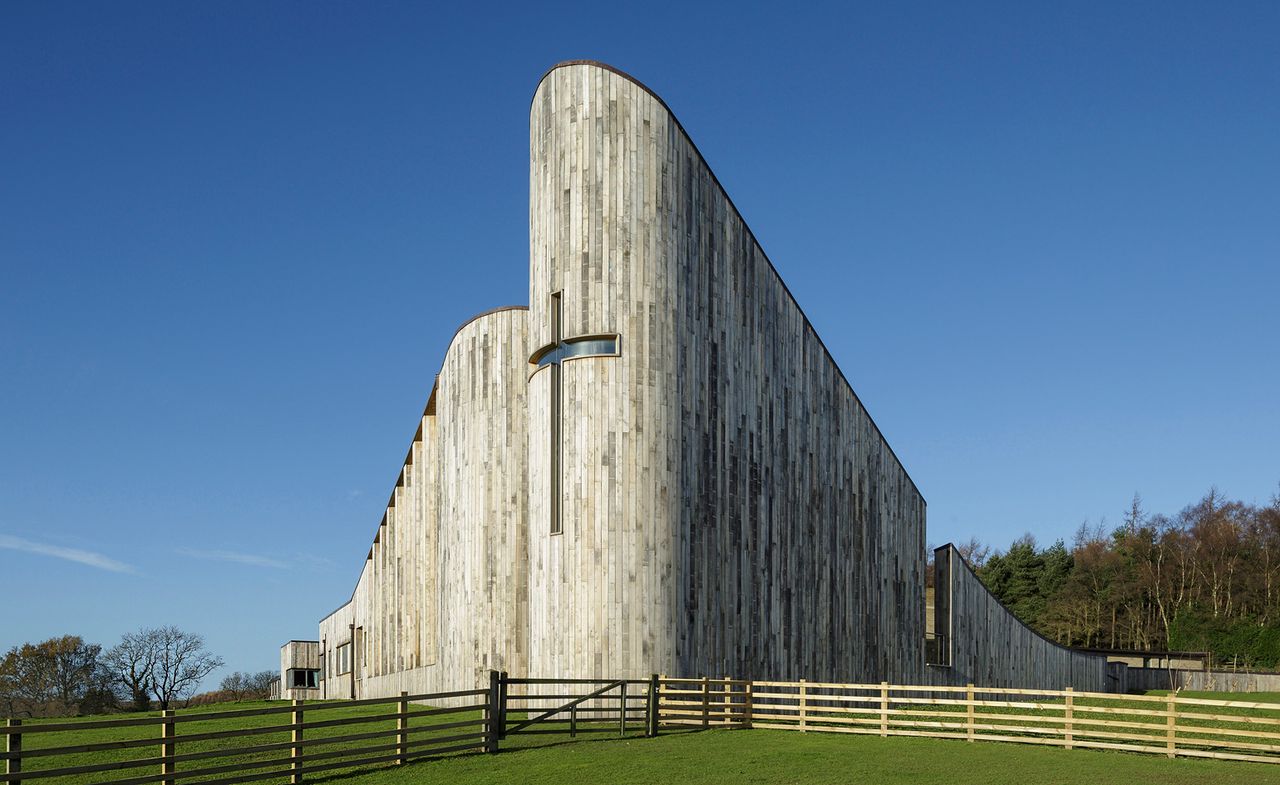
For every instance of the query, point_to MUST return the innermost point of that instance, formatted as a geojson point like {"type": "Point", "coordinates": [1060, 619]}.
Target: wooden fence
{"type": "Point", "coordinates": [417, 733]}
{"type": "Point", "coordinates": [314, 737]}
{"type": "Point", "coordinates": [704, 702]}
{"type": "Point", "coordinates": [1169, 725]}
{"type": "Point", "coordinates": [506, 707]}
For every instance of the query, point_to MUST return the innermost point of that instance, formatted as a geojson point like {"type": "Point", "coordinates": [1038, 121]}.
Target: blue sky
{"type": "Point", "coordinates": [1042, 241]}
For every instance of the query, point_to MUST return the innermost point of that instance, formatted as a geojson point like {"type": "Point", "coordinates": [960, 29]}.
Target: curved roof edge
{"type": "Point", "coordinates": [428, 410]}
{"type": "Point", "coordinates": [431, 398]}
{"type": "Point", "coordinates": [619, 72]}
{"type": "Point", "coordinates": [747, 226]}
{"type": "Point", "coordinates": [483, 314]}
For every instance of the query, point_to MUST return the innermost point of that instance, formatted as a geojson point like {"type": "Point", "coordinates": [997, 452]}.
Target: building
{"type": "Point", "coordinates": [655, 466]}
{"type": "Point", "coordinates": [299, 672]}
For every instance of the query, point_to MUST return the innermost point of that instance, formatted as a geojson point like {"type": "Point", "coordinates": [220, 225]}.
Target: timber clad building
{"type": "Point", "coordinates": [656, 466]}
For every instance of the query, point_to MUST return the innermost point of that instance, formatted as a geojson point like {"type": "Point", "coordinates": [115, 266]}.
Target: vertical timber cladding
{"type": "Point", "coordinates": [603, 591]}
{"type": "Point", "coordinates": [991, 647]}
{"type": "Point", "coordinates": [483, 579]}
{"type": "Point", "coordinates": [443, 595]}
{"type": "Point", "coordinates": [729, 506]}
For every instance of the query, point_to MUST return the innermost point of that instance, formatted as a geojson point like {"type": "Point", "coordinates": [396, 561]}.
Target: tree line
{"type": "Point", "coordinates": [157, 667]}
{"type": "Point", "coordinates": [1205, 579]}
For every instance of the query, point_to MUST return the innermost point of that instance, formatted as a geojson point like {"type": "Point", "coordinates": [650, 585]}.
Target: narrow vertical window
{"type": "Point", "coordinates": [552, 356]}
{"type": "Point", "coordinates": [556, 522]}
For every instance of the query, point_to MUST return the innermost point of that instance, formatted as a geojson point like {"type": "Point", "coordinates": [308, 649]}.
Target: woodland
{"type": "Point", "coordinates": [1204, 579]}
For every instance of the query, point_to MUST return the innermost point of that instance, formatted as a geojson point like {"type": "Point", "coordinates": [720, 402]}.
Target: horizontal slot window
{"type": "Point", "coordinates": [591, 346]}
{"type": "Point", "coordinates": [581, 347]}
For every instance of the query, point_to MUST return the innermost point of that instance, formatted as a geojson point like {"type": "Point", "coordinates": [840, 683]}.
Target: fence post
{"type": "Point", "coordinates": [747, 704]}
{"type": "Point", "coordinates": [573, 721]}
{"type": "Point", "coordinates": [1070, 705]}
{"type": "Point", "coordinates": [168, 746]}
{"type": "Point", "coordinates": [402, 725]}
{"type": "Point", "coordinates": [803, 708]}
{"type": "Point", "coordinates": [651, 708]}
{"type": "Point", "coordinates": [705, 702]}
{"type": "Point", "coordinates": [622, 726]}
{"type": "Point", "coordinates": [492, 712]}
{"type": "Point", "coordinates": [1171, 725]}
{"type": "Point", "coordinates": [295, 752]}
{"type": "Point", "coordinates": [726, 701]}
{"type": "Point", "coordinates": [968, 699]}
{"type": "Point", "coordinates": [884, 708]}
{"type": "Point", "coordinates": [13, 748]}
{"type": "Point", "coordinates": [502, 705]}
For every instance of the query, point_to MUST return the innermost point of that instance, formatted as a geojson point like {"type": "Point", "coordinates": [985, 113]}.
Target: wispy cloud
{"type": "Point", "coordinates": [250, 559]}
{"type": "Point", "coordinates": [314, 562]}
{"type": "Point", "coordinates": [89, 558]}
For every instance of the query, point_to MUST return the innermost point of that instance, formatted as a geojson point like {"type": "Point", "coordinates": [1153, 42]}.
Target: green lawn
{"type": "Point", "coordinates": [784, 757]}
{"type": "Point", "coordinates": [686, 757]}
{"type": "Point", "coordinates": [1246, 697]}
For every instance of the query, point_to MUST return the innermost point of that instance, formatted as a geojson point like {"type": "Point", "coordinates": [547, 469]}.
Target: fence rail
{"type": "Point", "coordinates": [227, 756]}
{"type": "Point", "coordinates": [301, 739]}
{"type": "Point", "coordinates": [705, 702]}
{"type": "Point", "coordinates": [1170, 725]}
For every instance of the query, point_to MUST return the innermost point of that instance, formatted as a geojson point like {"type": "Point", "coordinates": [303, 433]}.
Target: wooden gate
{"type": "Point", "coordinates": [573, 706]}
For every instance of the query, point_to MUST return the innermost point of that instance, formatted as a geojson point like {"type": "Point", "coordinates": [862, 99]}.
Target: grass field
{"type": "Point", "coordinates": [723, 757]}
{"type": "Point", "coordinates": [689, 758]}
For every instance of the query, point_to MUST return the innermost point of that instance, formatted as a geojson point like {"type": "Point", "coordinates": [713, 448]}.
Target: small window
{"type": "Point", "coordinates": [548, 356]}
{"type": "Point", "coordinates": [606, 346]}
{"type": "Point", "coordinates": [344, 658]}
{"type": "Point", "coordinates": [304, 678]}
{"type": "Point", "coordinates": [591, 346]}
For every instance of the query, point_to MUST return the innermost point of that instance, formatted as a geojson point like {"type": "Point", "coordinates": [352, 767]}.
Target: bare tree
{"type": "Point", "coordinates": [259, 685]}
{"type": "Point", "coordinates": [1135, 516]}
{"type": "Point", "coordinates": [132, 662]}
{"type": "Point", "coordinates": [975, 553]}
{"type": "Point", "coordinates": [237, 684]}
{"type": "Point", "coordinates": [181, 663]}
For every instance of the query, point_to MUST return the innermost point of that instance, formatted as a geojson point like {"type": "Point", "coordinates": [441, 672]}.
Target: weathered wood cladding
{"type": "Point", "coordinates": [300, 654]}
{"type": "Point", "coordinates": [728, 505]}
{"type": "Point", "coordinates": [992, 648]}
{"type": "Point", "coordinates": [482, 412]}
{"type": "Point", "coordinates": [603, 592]}
{"type": "Point", "coordinates": [443, 593]}
{"type": "Point", "coordinates": [304, 655]}
{"type": "Point", "coordinates": [778, 534]}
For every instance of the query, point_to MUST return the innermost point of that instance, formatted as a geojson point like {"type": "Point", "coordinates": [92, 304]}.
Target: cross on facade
{"type": "Point", "coordinates": [552, 355]}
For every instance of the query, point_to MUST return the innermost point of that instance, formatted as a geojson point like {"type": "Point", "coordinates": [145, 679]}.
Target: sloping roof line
{"type": "Point", "coordinates": [428, 411]}
{"type": "Point", "coordinates": [734, 207]}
